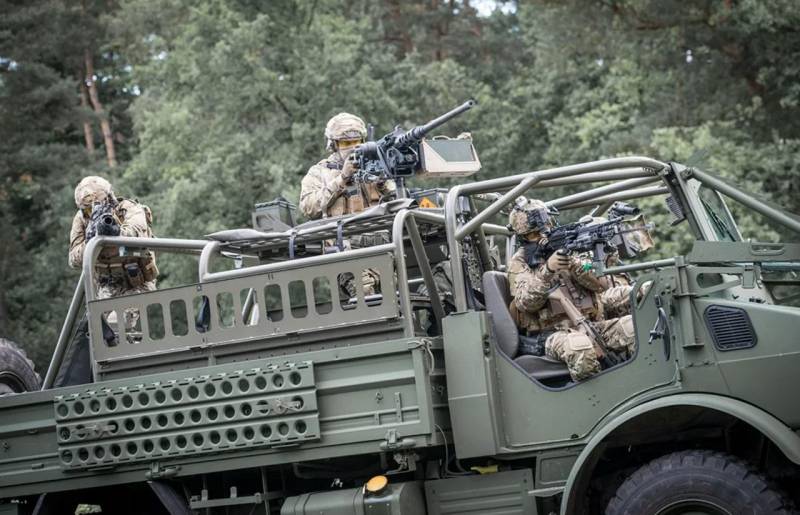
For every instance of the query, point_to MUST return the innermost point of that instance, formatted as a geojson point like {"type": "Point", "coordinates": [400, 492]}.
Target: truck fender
{"type": "Point", "coordinates": [776, 431]}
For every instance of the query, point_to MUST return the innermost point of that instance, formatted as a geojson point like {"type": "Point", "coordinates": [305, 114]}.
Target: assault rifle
{"type": "Point", "coordinates": [585, 236]}
{"type": "Point", "coordinates": [102, 221]}
{"type": "Point", "coordinates": [606, 356]}
{"type": "Point", "coordinates": [397, 155]}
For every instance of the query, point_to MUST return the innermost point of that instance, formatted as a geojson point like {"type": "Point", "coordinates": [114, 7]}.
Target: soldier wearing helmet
{"type": "Point", "coordinates": [543, 320]}
{"type": "Point", "coordinates": [616, 297]}
{"type": "Point", "coordinates": [116, 275]}
{"type": "Point", "coordinates": [329, 188]}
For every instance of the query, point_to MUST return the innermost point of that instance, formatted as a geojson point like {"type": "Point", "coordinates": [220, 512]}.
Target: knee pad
{"type": "Point", "coordinates": [578, 342]}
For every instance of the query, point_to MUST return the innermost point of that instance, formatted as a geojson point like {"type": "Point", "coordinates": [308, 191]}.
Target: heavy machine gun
{"type": "Point", "coordinates": [402, 153]}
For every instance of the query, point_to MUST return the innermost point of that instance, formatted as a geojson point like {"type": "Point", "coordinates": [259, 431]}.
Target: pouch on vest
{"type": "Point", "coordinates": [133, 274]}
{"type": "Point", "coordinates": [149, 269]}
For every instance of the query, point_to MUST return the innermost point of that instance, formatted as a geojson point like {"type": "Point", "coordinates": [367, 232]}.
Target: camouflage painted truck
{"type": "Point", "coordinates": [260, 389]}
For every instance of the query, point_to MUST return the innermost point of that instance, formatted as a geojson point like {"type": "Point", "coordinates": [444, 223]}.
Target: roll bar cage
{"type": "Point", "coordinates": [634, 178]}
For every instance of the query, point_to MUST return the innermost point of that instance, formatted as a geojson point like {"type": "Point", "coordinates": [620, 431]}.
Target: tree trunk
{"type": "Point", "coordinates": [87, 126]}
{"type": "Point", "coordinates": [105, 125]}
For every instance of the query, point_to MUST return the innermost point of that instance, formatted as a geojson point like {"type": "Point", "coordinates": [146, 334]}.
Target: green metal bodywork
{"type": "Point", "coordinates": [284, 371]}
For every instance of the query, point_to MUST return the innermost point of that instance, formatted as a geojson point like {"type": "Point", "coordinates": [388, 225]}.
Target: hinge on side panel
{"type": "Point", "coordinates": [158, 472]}
{"type": "Point", "coordinates": [393, 441]}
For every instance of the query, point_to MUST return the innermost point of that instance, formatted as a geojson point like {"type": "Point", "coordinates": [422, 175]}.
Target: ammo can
{"type": "Point", "coordinates": [274, 216]}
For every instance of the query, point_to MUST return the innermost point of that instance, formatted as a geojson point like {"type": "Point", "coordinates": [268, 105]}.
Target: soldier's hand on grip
{"type": "Point", "coordinates": [559, 260]}
{"type": "Point", "coordinates": [349, 168]}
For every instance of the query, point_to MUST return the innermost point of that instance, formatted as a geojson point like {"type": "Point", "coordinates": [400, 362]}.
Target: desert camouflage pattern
{"type": "Point", "coordinates": [529, 287]}
{"type": "Point", "coordinates": [518, 219]}
{"type": "Point", "coordinates": [117, 286]}
{"type": "Point", "coordinates": [370, 278]}
{"type": "Point", "coordinates": [605, 301]}
{"type": "Point", "coordinates": [90, 190]}
{"type": "Point", "coordinates": [344, 126]}
{"type": "Point", "coordinates": [638, 235]}
{"type": "Point", "coordinates": [324, 193]}
{"type": "Point", "coordinates": [111, 280]}
{"type": "Point", "coordinates": [578, 352]}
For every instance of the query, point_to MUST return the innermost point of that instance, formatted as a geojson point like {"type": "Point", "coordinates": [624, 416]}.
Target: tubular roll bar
{"type": "Point", "coordinates": [64, 335]}
{"type": "Point", "coordinates": [637, 171]}
{"type": "Point", "coordinates": [745, 199]}
{"type": "Point", "coordinates": [95, 245]}
{"type": "Point", "coordinates": [633, 171]}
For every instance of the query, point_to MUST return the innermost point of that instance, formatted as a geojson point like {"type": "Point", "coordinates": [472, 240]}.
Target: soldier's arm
{"type": "Point", "coordinates": [387, 188]}
{"type": "Point", "coordinates": [585, 276]}
{"type": "Point", "coordinates": [135, 221]}
{"type": "Point", "coordinates": [316, 194]}
{"type": "Point", "coordinates": [77, 241]}
{"type": "Point", "coordinates": [617, 300]}
{"type": "Point", "coordinates": [531, 288]}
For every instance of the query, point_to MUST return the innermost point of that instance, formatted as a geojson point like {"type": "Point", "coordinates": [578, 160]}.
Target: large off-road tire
{"type": "Point", "coordinates": [17, 374]}
{"type": "Point", "coordinates": [698, 482]}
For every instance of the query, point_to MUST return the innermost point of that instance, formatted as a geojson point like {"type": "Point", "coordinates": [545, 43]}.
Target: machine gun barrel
{"type": "Point", "coordinates": [417, 133]}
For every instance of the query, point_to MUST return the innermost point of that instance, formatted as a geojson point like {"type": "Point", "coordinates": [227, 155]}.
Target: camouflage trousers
{"type": "Point", "coordinates": [111, 287]}
{"type": "Point", "coordinates": [370, 278]}
{"type": "Point", "coordinates": [576, 349]}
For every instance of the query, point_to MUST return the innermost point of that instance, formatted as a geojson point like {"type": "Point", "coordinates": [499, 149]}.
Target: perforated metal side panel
{"type": "Point", "coordinates": [274, 405]}
{"type": "Point", "coordinates": [730, 328]}
{"type": "Point", "coordinates": [505, 493]}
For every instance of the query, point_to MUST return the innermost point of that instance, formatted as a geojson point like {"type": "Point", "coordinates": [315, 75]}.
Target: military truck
{"type": "Point", "coordinates": [261, 388]}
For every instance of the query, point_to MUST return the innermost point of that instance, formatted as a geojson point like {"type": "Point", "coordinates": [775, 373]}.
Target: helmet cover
{"type": "Point", "coordinates": [344, 126]}
{"type": "Point", "coordinates": [92, 189]}
{"type": "Point", "coordinates": [528, 216]}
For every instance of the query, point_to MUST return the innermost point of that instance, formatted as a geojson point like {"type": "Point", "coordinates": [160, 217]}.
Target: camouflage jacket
{"type": "Point", "coordinates": [323, 192]}
{"type": "Point", "coordinates": [616, 298]}
{"type": "Point", "coordinates": [135, 221]}
{"type": "Point", "coordinates": [531, 307]}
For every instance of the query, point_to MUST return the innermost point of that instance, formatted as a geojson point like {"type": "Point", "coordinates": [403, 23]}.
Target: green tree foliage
{"type": "Point", "coordinates": [216, 104]}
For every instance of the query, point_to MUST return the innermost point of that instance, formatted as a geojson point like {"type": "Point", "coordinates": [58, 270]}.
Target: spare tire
{"type": "Point", "coordinates": [17, 373]}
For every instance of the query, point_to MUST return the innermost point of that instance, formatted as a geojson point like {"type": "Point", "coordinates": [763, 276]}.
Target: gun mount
{"type": "Point", "coordinates": [399, 154]}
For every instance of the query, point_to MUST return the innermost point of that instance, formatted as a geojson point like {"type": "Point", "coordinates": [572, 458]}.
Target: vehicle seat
{"type": "Point", "coordinates": [498, 297]}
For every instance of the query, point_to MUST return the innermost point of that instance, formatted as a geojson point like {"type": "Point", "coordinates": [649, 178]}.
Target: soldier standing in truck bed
{"type": "Point", "coordinates": [539, 317]}
{"type": "Point", "coordinates": [116, 275]}
{"type": "Point", "coordinates": [330, 189]}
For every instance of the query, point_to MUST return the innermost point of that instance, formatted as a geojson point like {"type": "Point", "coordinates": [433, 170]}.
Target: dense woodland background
{"type": "Point", "coordinates": [201, 108]}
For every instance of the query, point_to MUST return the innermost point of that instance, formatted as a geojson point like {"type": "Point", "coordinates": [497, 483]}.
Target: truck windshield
{"type": "Point", "coordinates": [718, 214]}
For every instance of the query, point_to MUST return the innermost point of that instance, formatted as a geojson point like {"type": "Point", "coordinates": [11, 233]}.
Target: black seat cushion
{"type": "Point", "coordinates": [498, 298]}
{"type": "Point", "coordinates": [542, 367]}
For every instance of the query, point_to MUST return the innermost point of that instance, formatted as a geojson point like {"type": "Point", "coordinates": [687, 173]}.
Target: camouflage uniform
{"type": "Point", "coordinates": [135, 220]}
{"type": "Point", "coordinates": [535, 313]}
{"type": "Point", "coordinates": [323, 186]}
{"type": "Point", "coordinates": [325, 193]}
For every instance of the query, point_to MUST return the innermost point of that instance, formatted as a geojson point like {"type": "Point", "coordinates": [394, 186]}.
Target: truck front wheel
{"type": "Point", "coordinates": [698, 482]}
{"type": "Point", "coordinates": [16, 370]}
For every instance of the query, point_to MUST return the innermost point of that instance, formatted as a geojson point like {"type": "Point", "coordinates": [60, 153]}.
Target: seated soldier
{"type": "Point", "coordinates": [532, 280]}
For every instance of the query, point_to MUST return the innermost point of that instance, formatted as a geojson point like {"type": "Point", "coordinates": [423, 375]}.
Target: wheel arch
{"type": "Point", "coordinates": [786, 440]}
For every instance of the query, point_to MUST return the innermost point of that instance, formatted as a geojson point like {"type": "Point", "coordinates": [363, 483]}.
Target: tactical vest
{"type": "Point", "coordinates": [356, 197]}
{"type": "Point", "coordinates": [552, 315]}
{"type": "Point", "coordinates": [110, 264]}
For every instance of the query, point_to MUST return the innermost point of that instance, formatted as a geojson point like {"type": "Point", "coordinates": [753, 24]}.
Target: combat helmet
{"type": "Point", "coordinates": [529, 216]}
{"type": "Point", "coordinates": [92, 189]}
{"type": "Point", "coordinates": [344, 126]}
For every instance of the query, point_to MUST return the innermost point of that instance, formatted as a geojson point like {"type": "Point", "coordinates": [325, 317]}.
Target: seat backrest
{"type": "Point", "coordinates": [498, 298]}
